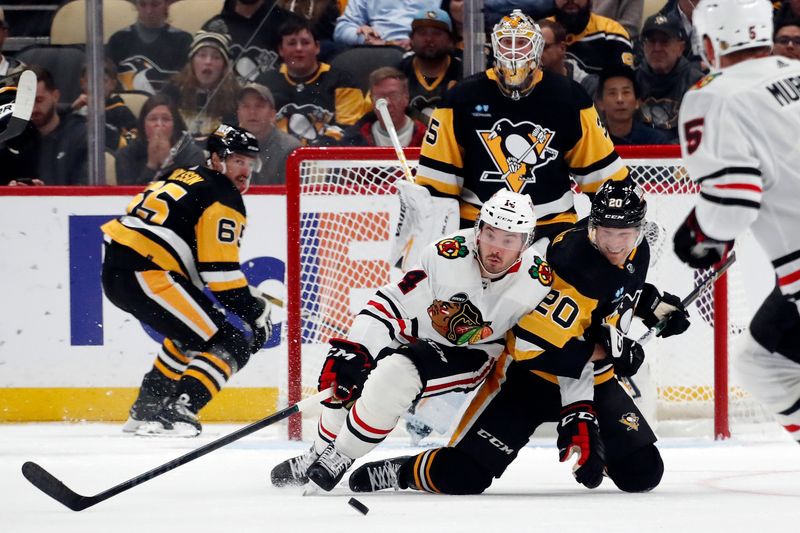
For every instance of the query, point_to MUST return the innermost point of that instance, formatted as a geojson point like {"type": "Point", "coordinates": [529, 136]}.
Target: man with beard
{"type": "Point", "coordinates": [432, 68]}
{"type": "Point", "coordinates": [252, 26]}
{"type": "Point", "coordinates": [595, 42]}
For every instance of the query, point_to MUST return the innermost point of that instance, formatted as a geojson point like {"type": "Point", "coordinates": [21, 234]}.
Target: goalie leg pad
{"type": "Point", "coordinates": [641, 471]}
{"type": "Point", "coordinates": [388, 393]}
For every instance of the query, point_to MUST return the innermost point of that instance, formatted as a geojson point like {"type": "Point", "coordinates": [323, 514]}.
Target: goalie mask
{"type": "Point", "coordinates": [616, 219]}
{"type": "Point", "coordinates": [503, 231]}
{"type": "Point", "coordinates": [517, 44]}
{"type": "Point", "coordinates": [228, 140]}
{"type": "Point", "coordinates": [731, 26]}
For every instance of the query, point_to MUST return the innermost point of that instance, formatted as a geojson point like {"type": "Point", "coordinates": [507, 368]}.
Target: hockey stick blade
{"type": "Point", "coordinates": [23, 106]}
{"type": "Point", "coordinates": [56, 489]}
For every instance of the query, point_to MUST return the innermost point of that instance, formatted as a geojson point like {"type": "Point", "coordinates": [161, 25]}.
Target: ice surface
{"type": "Point", "coordinates": [743, 485]}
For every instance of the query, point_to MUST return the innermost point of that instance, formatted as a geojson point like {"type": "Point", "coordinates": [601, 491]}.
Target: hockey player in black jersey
{"type": "Point", "coordinates": [179, 236]}
{"type": "Point", "coordinates": [573, 338]}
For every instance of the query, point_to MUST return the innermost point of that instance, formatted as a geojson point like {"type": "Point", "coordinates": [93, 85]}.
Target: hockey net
{"type": "Point", "coordinates": [342, 210]}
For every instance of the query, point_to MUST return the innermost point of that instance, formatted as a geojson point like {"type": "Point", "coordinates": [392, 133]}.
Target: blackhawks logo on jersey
{"type": "Point", "coordinates": [458, 320]}
{"type": "Point", "coordinates": [541, 270]}
{"type": "Point", "coordinates": [452, 248]}
{"type": "Point", "coordinates": [517, 151]}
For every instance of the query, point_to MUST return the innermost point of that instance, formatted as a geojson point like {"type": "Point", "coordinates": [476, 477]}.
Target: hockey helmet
{"type": "Point", "coordinates": [618, 204]}
{"type": "Point", "coordinates": [517, 45]}
{"type": "Point", "coordinates": [732, 25]}
{"type": "Point", "coordinates": [509, 211]}
{"type": "Point", "coordinates": [227, 140]}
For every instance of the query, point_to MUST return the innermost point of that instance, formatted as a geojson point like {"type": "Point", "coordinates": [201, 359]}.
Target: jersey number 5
{"type": "Point", "coordinates": [693, 131]}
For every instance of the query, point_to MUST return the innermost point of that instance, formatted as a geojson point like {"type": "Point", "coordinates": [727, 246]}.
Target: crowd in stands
{"type": "Point", "coordinates": [308, 72]}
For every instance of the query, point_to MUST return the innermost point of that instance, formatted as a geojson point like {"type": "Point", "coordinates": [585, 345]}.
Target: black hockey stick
{"type": "Point", "coordinates": [23, 106]}
{"type": "Point", "coordinates": [47, 483]}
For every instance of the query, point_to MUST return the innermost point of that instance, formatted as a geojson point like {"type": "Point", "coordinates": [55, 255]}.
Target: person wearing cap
{"type": "Point", "coordinates": [314, 101]}
{"type": "Point", "coordinates": [148, 52]}
{"type": "Point", "coordinates": [431, 67]}
{"type": "Point", "coordinates": [682, 10]}
{"type": "Point", "coordinates": [204, 89]}
{"type": "Point", "coordinates": [379, 22]}
{"type": "Point", "coordinates": [9, 67]}
{"type": "Point", "coordinates": [617, 102]}
{"type": "Point", "coordinates": [664, 75]}
{"type": "Point", "coordinates": [255, 109]}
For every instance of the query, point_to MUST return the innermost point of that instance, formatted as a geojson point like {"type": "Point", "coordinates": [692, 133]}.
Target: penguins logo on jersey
{"type": "Point", "coordinates": [452, 248]}
{"type": "Point", "coordinates": [517, 151]}
{"type": "Point", "coordinates": [307, 122]}
{"type": "Point", "coordinates": [253, 61]}
{"type": "Point", "coordinates": [459, 321]}
{"type": "Point", "coordinates": [138, 73]}
{"type": "Point", "coordinates": [541, 270]}
{"type": "Point", "coordinates": [631, 420]}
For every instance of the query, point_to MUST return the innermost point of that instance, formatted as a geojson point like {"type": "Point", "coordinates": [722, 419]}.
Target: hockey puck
{"type": "Point", "coordinates": [358, 506]}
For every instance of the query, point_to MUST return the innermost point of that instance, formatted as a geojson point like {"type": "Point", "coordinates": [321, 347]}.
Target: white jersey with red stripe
{"type": "Point", "coordinates": [446, 300]}
{"type": "Point", "coordinates": [739, 136]}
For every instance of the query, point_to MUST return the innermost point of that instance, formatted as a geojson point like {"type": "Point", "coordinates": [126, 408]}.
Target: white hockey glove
{"type": "Point", "coordinates": [261, 325]}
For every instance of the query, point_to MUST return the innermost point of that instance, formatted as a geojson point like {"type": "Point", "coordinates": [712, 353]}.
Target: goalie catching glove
{"type": "Point", "coordinates": [345, 369]}
{"type": "Point", "coordinates": [260, 324]}
{"type": "Point", "coordinates": [626, 354]}
{"type": "Point", "coordinates": [654, 307]}
{"type": "Point", "coordinates": [697, 249]}
{"type": "Point", "coordinates": [579, 432]}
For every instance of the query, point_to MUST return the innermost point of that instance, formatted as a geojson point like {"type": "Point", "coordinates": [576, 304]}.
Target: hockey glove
{"type": "Point", "coordinates": [579, 432]}
{"type": "Point", "coordinates": [260, 323]}
{"type": "Point", "coordinates": [654, 307]}
{"type": "Point", "coordinates": [626, 354]}
{"type": "Point", "coordinates": [345, 369]}
{"type": "Point", "coordinates": [695, 248]}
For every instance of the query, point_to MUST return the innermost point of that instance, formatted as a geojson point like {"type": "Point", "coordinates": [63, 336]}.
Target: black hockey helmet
{"type": "Point", "coordinates": [227, 140]}
{"type": "Point", "coordinates": [618, 204]}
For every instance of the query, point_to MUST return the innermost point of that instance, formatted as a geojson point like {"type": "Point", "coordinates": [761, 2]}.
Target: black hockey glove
{"type": "Point", "coordinates": [654, 307]}
{"type": "Point", "coordinates": [579, 432]}
{"type": "Point", "coordinates": [626, 354]}
{"type": "Point", "coordinates": [259, 321]}
{"type": "Point", "coordinates": [695, 248]}
{"type": "Point", "coordinates": [345, 369]}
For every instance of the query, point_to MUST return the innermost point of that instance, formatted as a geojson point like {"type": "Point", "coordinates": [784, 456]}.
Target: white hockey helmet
{"type": "Point", "coordinates": [509, 211]}
{"type": "Point", "coordinates": [732, 25]}
{"type": "Point", "coordinates": [517, 44]}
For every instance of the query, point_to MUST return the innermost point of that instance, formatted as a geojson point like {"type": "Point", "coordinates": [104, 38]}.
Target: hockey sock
{"type": "Point", "coordinates": [171, 361]}
{"type": "Point", "coordinates": [204, 378]}
{"type": "Point", "coordinates": [444, 470]}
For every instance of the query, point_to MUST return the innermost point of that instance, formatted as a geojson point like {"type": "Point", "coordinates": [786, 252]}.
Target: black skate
{"type": "Point", "coordinates": [329, 468]}
{"type": "Point", "coordinates": [292, 472]}
{"type": "Point", "coordinates": [175, 419]}
{"type": "Point", "coordinates": [378, 475]}
{"type": "Point", "coordinates": [153, 394]}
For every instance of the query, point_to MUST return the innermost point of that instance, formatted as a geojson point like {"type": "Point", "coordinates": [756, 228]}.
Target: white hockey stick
{"type": "Point", "coordinates": [23, 106]}
{"type": "Point", "coordinates": [382, 107]}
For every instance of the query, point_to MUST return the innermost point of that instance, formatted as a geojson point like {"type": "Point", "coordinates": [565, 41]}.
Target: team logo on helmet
{"type": "Point", "coordinates": [631, 420]}
{"type": "Point", "coordinates": [452, 248]}
{"type": "Point", "coordinates": [541, 270]}
{"type": "Point", "coordinates": [517, 150]}
{"type": "Point", "coordinates": [459, 321]}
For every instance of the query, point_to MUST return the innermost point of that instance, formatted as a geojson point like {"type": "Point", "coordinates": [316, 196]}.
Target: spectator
{"type": "Point", "coordinates": [323, 15]}
{"type": "Point", "coordinates": [18, 156]}
{"type": "Point", "coordinates": [149, 155]}
{"type": "Point", "coordinates": [665, 75]}
{"type": "Point", "coordinates": [593, 41]}
{"type": "Point", "coordinates": [204, 89]}
{"type": "Point", "coordinates": [431, 67]}
{"type": "Point", "coordinates": [391, 84]}
{"type": "Point", "coordinates": [787, 39]}
{"type": "Point", "coordinates": [682, 10]}
{"type": "Point", "coordinates": [494, 10]}
{"type": "Point", "coordinates": [626, 12]}
{"type": "Point", "coordinates": [256, 113]}
{"type": "Point", "coordinates": [63, 155]}
{"type": "Point", "coordinates": [120, 121]}
{"type": "Point", "coordinates": [379, 22]}
{"type": "Point", "coordinates": [617, 101]}
{"type": "Point", "coordinates": [786, 11]}
{"type": "Point", "coordinates": [150, 51]}
{"type": "Point", "coordinates": [456, 10]}
{"type": "Point", "coordinates": [554, 56]}
{"type": "Point", "coordinates": [313, 100]}
{"type": "Point", "coordinates": [9, 67]}
{"type": "Point", "coordinates": [252, 26]}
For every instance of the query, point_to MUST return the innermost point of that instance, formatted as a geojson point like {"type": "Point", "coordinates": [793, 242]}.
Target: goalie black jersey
{"type": "Point", "coordinates": [558, 337]}
{"type": "Point", "coordinates": [190, 223]}
{"type": "Point", "coordinates": [480, 141]}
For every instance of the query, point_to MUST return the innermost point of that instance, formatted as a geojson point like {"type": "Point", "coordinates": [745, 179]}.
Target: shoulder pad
{"type": "Point", "coordinates": [702, 82]}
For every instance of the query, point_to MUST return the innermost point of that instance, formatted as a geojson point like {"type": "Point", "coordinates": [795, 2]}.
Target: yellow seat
{"type": "Point", "coordinates": [651, 7]}
{"type": "Point", "coordinates": [111, 169]}
{"type": "Point", "coordinates": [134, 100]}
{"type": "Point", "coordinates": [190, 15]}
{"type": "Point", "coordinates": [69, 22]}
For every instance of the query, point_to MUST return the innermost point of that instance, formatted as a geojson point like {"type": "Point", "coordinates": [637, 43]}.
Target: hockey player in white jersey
{"type": "Point", "coordinates": [739, 137]}
{"type": "Point", "coordinates": [439, 329]}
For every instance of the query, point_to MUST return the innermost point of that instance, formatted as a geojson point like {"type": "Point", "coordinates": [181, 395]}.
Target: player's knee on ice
{"type": "Point", "coordinates": [640, 471]}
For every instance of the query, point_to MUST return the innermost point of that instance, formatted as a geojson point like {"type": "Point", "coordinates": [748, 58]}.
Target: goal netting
{"type": "Point", "coordinates": [342, 212]}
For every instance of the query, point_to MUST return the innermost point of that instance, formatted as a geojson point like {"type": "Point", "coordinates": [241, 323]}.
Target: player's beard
{"type": "Point", "coordinates": [575, 23]}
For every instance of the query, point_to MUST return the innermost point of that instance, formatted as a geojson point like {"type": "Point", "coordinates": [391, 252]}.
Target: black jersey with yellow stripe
{"type": "Point", "coordinates": [426, 92]}
{"type": "Point", "coordinates": [603, 43]}
{"type": "Point", "coordinates": [191, 223]}
{"type": "Point", "coordinates": [558, 337]}
{"type": "Point", "coordinates": [479, 141]}
{"type": "Point", "coordinates": [317, 107]}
